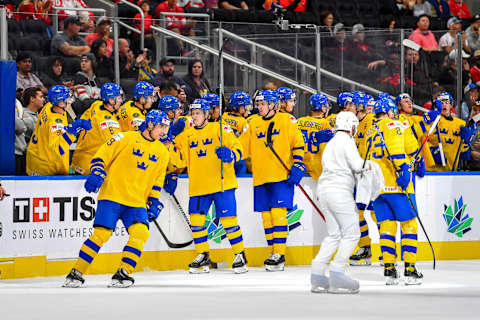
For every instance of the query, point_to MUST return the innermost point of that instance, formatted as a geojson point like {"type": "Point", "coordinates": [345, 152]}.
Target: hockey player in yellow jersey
{"type": "Point", "coordinates": [104, 119]}
{"type": "Point", "coordinates": [286, 99]}
{"type": "Point", "coordinates": [132, 113]}
{"type": "Point", "coordinates": [344, 103]}
{"type": "Point", "coordinates": [48, 152]}
{"type": "Point", "coordinates": [315, 134]}
{"type": "Point", "coordinates": [132, 198]}
{"type": "Point", "coordinates": [273, 185]}
{"type": "Point", "coordinates": [173, 108]}
{"type": "Point", "coordinates": [390, 149]}
{"type": "Point", "coordinates": [214, 101]}
{"type": "Point", "coordinates": [204, 154]}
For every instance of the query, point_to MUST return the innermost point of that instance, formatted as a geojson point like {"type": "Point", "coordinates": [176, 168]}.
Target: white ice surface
{"type": "Point", "coordinates": [450, 292]}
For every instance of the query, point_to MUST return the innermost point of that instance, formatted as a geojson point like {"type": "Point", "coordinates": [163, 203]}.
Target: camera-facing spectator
{"type": "Point", "coordinates": [458, 8]}
{"type": "Point", "coordinates": [472, 41]}
{"type": "Point", "coordinates": [196, 80]}
{"type": "Point", "coordinates": [69, 43]}
{"type": "Point", "coordinates": [167, 71]}
{"type": "Point", "coordinates": [25, 77]}
{"type": "Point", "coordinates": [87, 87]}
{"type": "Point", "coordinates": [104, 64]}
{"type": "Point", "coordinates": [33, 100]}
{"type": "Point", "coordinates": [448, 41]}
{"type": "Point", "coordinates": [440, 8]}
{"type": "Point", "coordinates": [102, 32]}
{"type": "Point", "coordinates": [471, 95]}
{"type": "Point", "coordinates": [475, 69]}
{"type": "Point", "coordinates": [326, 21]}
{"type": "Point", "coordinates": [128, 68]}
{"type": "Point", "coordinates": [145, 70]}
{"type": "Point", "coordinates": [423, 36]}
{"type": "Point", "coordinates": [54, 72]}
{"type": "Point", "coordinates": [148, 21]}
{"type": "Point", "coordinates": [35, 9]}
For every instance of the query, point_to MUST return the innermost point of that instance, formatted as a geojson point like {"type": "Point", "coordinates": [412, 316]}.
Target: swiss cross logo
{"type": "Point", "coordinates": [41, 209]}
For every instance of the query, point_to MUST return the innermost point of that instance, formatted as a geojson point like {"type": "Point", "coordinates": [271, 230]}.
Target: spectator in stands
{"type": "Point", "coordinates": [233, 4]}
{"type": "Point", "coordinates": [458, 8]}
{"type": "Point", "coordinates": [69, 43]}
{"type": "Point", "coordinates": [448, 77]}
{"type": "Point", "coordinates": [147, 22]}
{"type": "Point", "coordinates": [474, 164]}
{"type": "Point", "coordinates": [33, 100]}
{"type": "Point", "coordinates": [25, 77]}
{"type": "Point", "coordinates": [103, 64]}
{"type": "Point", "coordinates": [103, 32]}
{"type": "Point", "coordinates": [472, 42]}
{"type": "Point", "coordinates": [326, 20]}
{"type": "Point", "coordinates": [471, 95]}
{"type": "Point", "coordinates": [475, 70]}
{"type": "Point", "coordinates": [196, 81]}
{"type": "Point", "coordinates": [87, 87]}
{"type": "Point", "coordinates": [440, 8]}
{"type": "Point", "coordinates": [167, 70]}
{"type": "Point", "coordinates": [405, 7]}
{"type": "Point", "coordinates": [35, 9]}
{"type": "Point", "coordinates": [54, 72]}
{"type": "Point", "coordinates": [289, 5]}
{"type": "Point", "coordinates": [145, 71]}
{"type": "Point", "coordinates": [422, 36]}
{"type": "Point", "coordinates": [170, 88]}
{"type": "Point", "coordinates": [422, 7]}
{"type": "Point", "coordinates": [20, 143]}
{"type": "Point", "coordinates": [448, 41]}
{"type": "Point", "coordinates": [358, 50]}
{"type": "Point", "coordinates": [192, 4]}
{"type": "Point", "coordinates": [67, 4]}
{"type": "Point", "coordinates": [128, 67]}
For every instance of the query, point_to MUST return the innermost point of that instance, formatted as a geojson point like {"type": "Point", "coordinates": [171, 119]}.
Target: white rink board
{"type": "Point", "coordinates": [26, 230]}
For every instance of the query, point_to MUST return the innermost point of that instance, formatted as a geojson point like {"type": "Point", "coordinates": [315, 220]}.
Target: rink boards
{"type": "Point", "coordinates": [45, 220]}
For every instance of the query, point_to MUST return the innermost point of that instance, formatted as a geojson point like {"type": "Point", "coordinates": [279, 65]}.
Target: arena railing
{"type": "Point", "coordinates": [3, 34]}
{"type": "Point", "coordinates": [142, 23]}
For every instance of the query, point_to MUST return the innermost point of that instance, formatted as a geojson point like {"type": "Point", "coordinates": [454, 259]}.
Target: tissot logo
{"type": "Point", "coordinates": [21, 210]}
{"type": "Point", "coordinates": [41, 209]}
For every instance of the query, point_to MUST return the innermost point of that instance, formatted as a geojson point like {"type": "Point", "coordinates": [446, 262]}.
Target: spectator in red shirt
{"type": "Point", "coordinates": [148, 22]}
{"type": "Point", "coordinates": [103, 32]}
{"type": "Point", "coordinates": [290, 5]}
{"type": "Point", "coordinates": [35, 9]}
{"type": "Point", "coordinates": [459, 9]}
{"type": "Point", "coordinates": [475, 70]}
{"type": "Point", "coordinates": [422, 36]}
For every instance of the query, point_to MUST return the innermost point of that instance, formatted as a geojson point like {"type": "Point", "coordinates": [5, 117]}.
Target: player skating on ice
{"type": "Point", "coordinates": [273, 184]}
{"type": "Point", "coordinates": [340, 162]}
{"type": "Point", "coordinates": [202, 152]}
{"type": "Point", "coordinates": [129, 171]}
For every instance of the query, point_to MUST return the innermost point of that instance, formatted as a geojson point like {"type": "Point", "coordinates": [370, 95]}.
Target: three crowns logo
{"type": "Point", "coordinates": [458, 221]}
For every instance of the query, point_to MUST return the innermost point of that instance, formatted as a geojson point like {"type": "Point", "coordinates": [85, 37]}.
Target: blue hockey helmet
{"type": "Point", "coordinates": [58, 93]}
{"type": "Point", "coordinates": [240, 99]}
{"type": "Point", "coordinates": [110, 90]}
{"type": "Point", "coordinates": [383, 95]}
{"type": "Point", "coordinates": [200, 104]}
{"type": "Point", "coordinates": [359, 98]}
{"type": "Point", "coordinates": [402, 96]}
{"type": "Point", "coordinates": [392, 106]}
{"type": "Point", "coordinates": [267, 95]}
{"type": "Point", "coordinates": [285, 94]}
{"type": "Point", "coordinates": [212, 99]}
{"type": "Point", "coordinates": [167, 103]}
{"type": "Point", "coordinates": [317, 101]}
{"type": "Point", "coordinates": [344, 98]}
{"type": "Point", "coordinates": [143, 89]}
{"type": "Point", "coordinates": [382, 106]}
{"type": "Point", "coordinates": [444, 96]}
{"type": "Point", "coordinates": [156, 117]}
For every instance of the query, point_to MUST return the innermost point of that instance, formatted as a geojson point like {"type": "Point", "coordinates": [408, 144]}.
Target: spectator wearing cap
{"type": "Point", "coordinates": [102, 32]}
{"type": "Point", "coordinates": [148, 21]}
{"type": "Point", "coordinates": [448, 41]}
{"type": "Point", "coordinates": [35, 9]}
{"type": "Point", "coordinates": [423, 36]}
{"type": "Point", "coordinates": [33, 100]}
{"type": "Point", "coordinates": [448, 76]}
{"type": "Point", "coordinates": [87, 87]}
{"type": "Point", "coordinates": [103, 64]}
{"type": "Point", "coordinates": [167, 70]}
{"type": "Point", "coordinates": [25, 77]}
{"type": "Point", "coordinates": [471, 95]}
{"type": "Point", "coordinates": [69, 43]}
{"type": "Point", "coordinates": [196, 80]}
{"type": "Point", "coordinates": [145, 70]}
{"type": "Point", "coordinates": [472, 41]}
{"type": "Point", "coordinates": [459, 8]}
{"type": "Point", "coordinates": [440, 8]}
{"type": "Point", "coordinates": [474, 163]}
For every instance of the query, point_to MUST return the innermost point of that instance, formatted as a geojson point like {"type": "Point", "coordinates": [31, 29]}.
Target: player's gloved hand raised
{"type": "Point", "coordinates": [154, 208]}
{"type": "Point", "coordinates": [430, 116]}
{"type": "Point", "coordinates": [404, 175]}
{"type": "Point", "coordinates": [95, 180]}
{"type": "Point", "coordinates": [296, 173]}
{"type": "Point", "coordinates": [176, 128]}
{"type": "Point", "coordinates": [466, 134]}
{"type": "Point", "coordinates": [77, 126]}
{"type": "Point", "coordinates": [322, 136]}
{"type": "Point", "coordinates": [420, 164]}
{"type": "Point", "coordinates": [170, 184]}
{"type": "Point", "coordinates": [225, 154]}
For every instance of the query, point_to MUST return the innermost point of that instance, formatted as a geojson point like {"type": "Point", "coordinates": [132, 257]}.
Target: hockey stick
{"type": "Point", "coordinates": [181, 210]}
{"type": "Point", "coordinates": [397, 170]}
{"type": "Point", "coordinates": [171, 244]}
{"type": "Point", "coordinates": [430, 131]}
{"type": "Point", "coordinates": [220, 92]}
{"type": "Point", "coordinates": [440, 148]}
{"type": "Point", "coordinates": [270, 145]}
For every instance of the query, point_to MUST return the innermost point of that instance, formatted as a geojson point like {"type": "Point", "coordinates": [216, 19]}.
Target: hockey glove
{"type": "Point", "coordinates": [240, 167]}
{"type": "Point", "coordinates": [430, 116]}
{"type": "Point", "coordinates": [77, 126]}
{"type": "Point", "coordinates": [170, 184]}
{"type": "Point", "coordinates": [296, 173]}
{"type": "Point", "coordinates": [420, 164]}
{"type": "Point", "coordinates": [154, 208]}
{"type": "Point", "coordinates": [225, 154]}
{"type": "Point", "coordinates": [466, 134]}
{"type": "Point", "coordinates": [404, 175]}
{"type": "Point", "coordinates": [177, 128]}
{"type": "Point", "coordinates": [322, 136]}
{"type": "Point", "coordinates": [95, 180]}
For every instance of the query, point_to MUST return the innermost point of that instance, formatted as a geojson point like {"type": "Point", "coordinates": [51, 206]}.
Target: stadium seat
{"type": "Point", "coordinates": [71, 65]}
{"type": "Point", "coordinates": [29, 43]}
{"type": "Point", "coordinates": [14, 27]}
{"type": "Point", "coordinates": [368, 12]}
{"type": "Point", "coordinates": [348, 12]}
{"type": "Point", "coordinates": [37, 27]}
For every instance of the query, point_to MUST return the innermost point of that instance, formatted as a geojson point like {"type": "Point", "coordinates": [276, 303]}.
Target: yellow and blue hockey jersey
{"type": "Point", "coordinates": [135, 168]}
{"type": "Point", "coordinates": [365, 124]}
{"type": "Point", "coordinates": [49, 147]}
{"type": "Point", "coordinates": [313, 154]}
{"type": "Point", "coordinates": [104, 126]}
{"type": "Point", "coordinates": [331, 121]}
{"type": "Point", "coordinates": [237, 123]}
{"type": "Point", "coordinates": [287, 141]}
{"type": "Point", "coordinates": [197, 149]}
{"type": "Point", "coordinates": [130, 116]}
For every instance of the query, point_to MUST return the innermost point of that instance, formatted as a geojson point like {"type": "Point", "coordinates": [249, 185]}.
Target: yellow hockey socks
{"type": "Point", "coordinates": [364, 237]}
{"type": "Point", "coordinates": [268, 226]}
{"type": "Point", "coordinates": [409, 240]}
{"type": "Point", "coordinates": [90, 248]}
{"type": "Point", "coordinates": [133, 249]}
{"type": "Point", "coordinates": [200, 235]}
{"type": "Point", "coordinates": [280, 230]}
{"type": "Point", "coordinates": [234, 233]}
{"type": "Point", "coordinates": [388, 230]}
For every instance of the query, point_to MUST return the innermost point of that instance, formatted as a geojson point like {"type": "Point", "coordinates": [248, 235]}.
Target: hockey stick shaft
{"type": "Point", "coordinates": [169, 243]}
{"type": "Point", "coordinates": [430, 131]}
{"type": "Point", "coordinates": [181, 209]}
{"type": "Point", "coordinates": [220, 93]}
{"type": "Point", "coordinates": [412, 205]}
{"type": "Point", "coordinates": [270, 145]}
{"type": "Point", "coordinates": [440, 148]}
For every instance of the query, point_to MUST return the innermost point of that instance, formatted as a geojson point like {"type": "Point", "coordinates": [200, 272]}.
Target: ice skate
{"type": "Point", "coordinates": [201, 264]}
{"type": "Point", "coordinates": [391, 274]}
{"type": "Point", "coordinates": [276, 262]}
{"type": "Point", "coordinates": [362, 257]}
{"type": "Point", "coordinates": [320, 283]}
{"type": "Point", "coordinates": [412, 275]}
{"type": "Point", "coordinates": [74, 279]}
{"type": "Point", "coordinates": [239, 264]}
{"type": "Point", "coordinates": [339, 282]}
{"type": "Point", "coordinates": [121, 279]}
